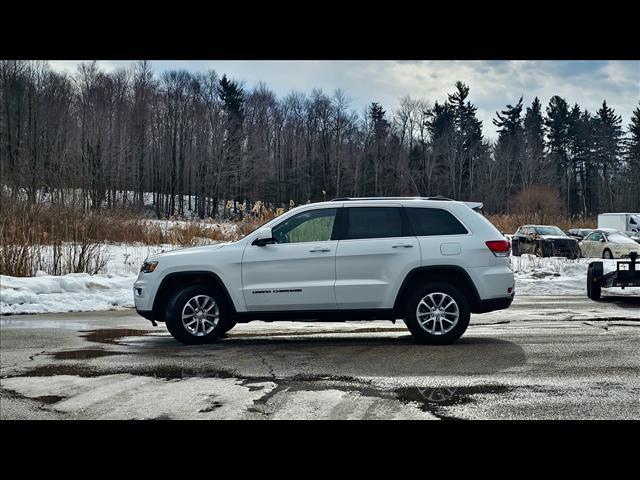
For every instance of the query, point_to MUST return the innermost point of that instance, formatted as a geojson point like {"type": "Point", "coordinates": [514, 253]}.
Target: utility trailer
{"type": "Point", "coordinates": [626, 274]}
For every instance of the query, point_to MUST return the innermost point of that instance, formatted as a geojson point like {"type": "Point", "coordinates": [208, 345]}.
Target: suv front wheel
{"type": "Point", "coordinates": [197, 315]}
{"type": "Point", "coordinates": [437, 313]}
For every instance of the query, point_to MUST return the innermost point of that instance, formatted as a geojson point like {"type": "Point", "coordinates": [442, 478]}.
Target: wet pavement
{"type": "Point", "coordinates": [544, 358]}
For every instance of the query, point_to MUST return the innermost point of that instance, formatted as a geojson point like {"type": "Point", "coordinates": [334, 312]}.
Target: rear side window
{"type": "Point", "coordinates": [434, 221]}
{"type": "Point", "coordinates": [374, 222]}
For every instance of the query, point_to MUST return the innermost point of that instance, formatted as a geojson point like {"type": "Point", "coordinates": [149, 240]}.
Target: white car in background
{"type": "Point", "coordinates": [608, 243]}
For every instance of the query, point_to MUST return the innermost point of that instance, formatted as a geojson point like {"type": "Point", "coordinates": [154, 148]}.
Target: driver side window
{"type": "Point", "coordinates": [595, 237]}
{"type": "Point", "coordinates": [311, 226]}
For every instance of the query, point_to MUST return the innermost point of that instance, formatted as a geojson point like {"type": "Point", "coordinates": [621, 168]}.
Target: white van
{"type": "Point", "coordinates": [624, 222]}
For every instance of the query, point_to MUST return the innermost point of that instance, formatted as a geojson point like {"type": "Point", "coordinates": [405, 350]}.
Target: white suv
{"type": "Point", "coordinates": [431, 262]}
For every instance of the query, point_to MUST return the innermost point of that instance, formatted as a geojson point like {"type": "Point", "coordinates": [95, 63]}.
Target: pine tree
{"type": "Point", "coordinates": [508, 150]}
{"type": "Point", "coordinates": [233, 98]}
{"type": "Point", "coordinates": [533, 157]}
{"type": "Point", "coordinates": [608, 147]}
{"type": "Point", "coordinates": [379, 132]}
{"type": "Point", "coordinates": [456, 141]}
{"type": "Point", "coordinates": [581, 149]}
{"type": "Point", "coordinates": [558, 124]}
{"type": "Point", "coordinates": [633, 159]}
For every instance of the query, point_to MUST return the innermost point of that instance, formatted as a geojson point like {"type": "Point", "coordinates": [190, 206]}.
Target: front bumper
{"type": "Point", "coordinates": [562, 248]}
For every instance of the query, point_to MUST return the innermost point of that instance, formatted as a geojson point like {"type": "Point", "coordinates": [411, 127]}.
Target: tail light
{"type": "Point", "coordinates": [500, 248]}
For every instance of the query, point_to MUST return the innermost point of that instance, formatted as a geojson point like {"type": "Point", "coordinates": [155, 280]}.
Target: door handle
{"type": "Point", "coordinates": [320, 249]}
{"type": "Point", "coordinates": [403, 245]}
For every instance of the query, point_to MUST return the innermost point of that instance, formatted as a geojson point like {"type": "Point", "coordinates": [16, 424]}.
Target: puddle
{"type": "Point", "coordinates": [167, 372]}
{"type": "Point", "coordinates": [433, 399]}
{"type": "Point", "coordinates": [83, 354]}
{"type": "Point", "coordinates": [53, 370]}
{"type": "Point", "coordinates": [48, 399]}
{"type": "Point", "coordinates": [112, 335]}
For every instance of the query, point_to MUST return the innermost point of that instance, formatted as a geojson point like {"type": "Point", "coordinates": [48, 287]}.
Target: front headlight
{"type": "Point", "coordinates": [148, 267]}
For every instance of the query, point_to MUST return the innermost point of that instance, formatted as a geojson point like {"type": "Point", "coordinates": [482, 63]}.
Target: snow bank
{"type": "Point", "coordinates": [75, 292]}
{"type": "Point", "coordinates": [79, 292]}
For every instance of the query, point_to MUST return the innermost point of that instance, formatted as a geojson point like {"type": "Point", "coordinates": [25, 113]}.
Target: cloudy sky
{"type": "Point", "coordinates": [494, 84]}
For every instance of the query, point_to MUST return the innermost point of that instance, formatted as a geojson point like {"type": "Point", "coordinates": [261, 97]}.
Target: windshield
{"type": "Point", "coordinates": [548, 231]}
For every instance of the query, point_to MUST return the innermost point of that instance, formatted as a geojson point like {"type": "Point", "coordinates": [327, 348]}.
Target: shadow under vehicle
{"type": "Point", "coordinates": [544, 241]}
{"type": "Point", "coordinates": [626, 274]}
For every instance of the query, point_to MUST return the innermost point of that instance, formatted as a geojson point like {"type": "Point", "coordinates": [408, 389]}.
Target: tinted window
{"type": "Point", "coordinates": [311, 226]}
{"type": "Point", "coordinates": [434, 221]}
{"type": "Point", "coordinates": [374, 222]}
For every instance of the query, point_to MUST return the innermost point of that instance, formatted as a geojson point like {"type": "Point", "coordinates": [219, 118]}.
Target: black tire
{"type": "Point", "coordinates": [594, 274]}
{"type": "Point", "coordinates": [178, 301]}
{"type": "Point", "coordinates": [411, 318]}
{"type": "Point", "coordinates": [515, 248]}
{"type": "Point", "coordinates": [604, 254]}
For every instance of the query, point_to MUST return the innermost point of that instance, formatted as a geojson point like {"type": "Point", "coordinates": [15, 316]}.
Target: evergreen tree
{"type": "Point", "coordinates": [533, 156]}
{"type": "Point", "coordinates": [558, 125]}
{"type": "Point", "coordinates": [607, 149]}
{"type": "Point", "coordinates": [379, 132]}
{"type": "Point", "coordinates": [581, 149]}
{"type": "Point", "coordinates": [233, 98]}
{"type": "Point", "coordinates": [633, 158]}
{"type": "Point", "coordinates": [457, 144]}
{"type": "Point", "coordinates": [508, 150]}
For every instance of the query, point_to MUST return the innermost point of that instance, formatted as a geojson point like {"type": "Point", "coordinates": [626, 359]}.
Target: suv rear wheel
{"type": "Point", "coordinates": [437, 313]}
{"type": "Point", "coordinates": [197, 315]}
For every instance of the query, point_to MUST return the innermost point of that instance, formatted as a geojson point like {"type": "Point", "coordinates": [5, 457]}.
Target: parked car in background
{"type": "Point", "coordinates": [634, 236]}
{"type": "Point", "coordinates": [608, 243]}
{"type": "Point", "coordinates": [623, 222]}
{"type": "Point", "coordinates": [544, 241]}
{"type": "Point", "coordinates": [579, 233]}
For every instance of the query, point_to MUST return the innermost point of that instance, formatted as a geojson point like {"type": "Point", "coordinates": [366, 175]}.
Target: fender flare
{"type": "Point", "coordinates": [160, 298]}
{"type": "Point", "coordinates": [474, 301]}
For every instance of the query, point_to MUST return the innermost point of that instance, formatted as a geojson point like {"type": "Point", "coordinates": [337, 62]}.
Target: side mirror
{"type": "Point", "coordinates": [264, 237]}
{"type": "Point", "coordinates": [602, 240]}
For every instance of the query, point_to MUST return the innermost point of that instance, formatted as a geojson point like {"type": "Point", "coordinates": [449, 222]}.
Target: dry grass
{"type": "Point", "coordinates": [76, 238]}
{"type": "Point", "coordinates": [510, 223]}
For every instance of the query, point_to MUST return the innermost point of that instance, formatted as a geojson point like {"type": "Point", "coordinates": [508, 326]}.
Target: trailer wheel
{"type": "Point", "coordinates": [594, 275]}
{"type": "Point", "coordinates": [515, 248]}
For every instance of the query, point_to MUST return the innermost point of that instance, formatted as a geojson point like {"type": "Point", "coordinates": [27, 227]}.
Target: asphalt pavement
{"type": "Point", "coordinates": [543, 358]}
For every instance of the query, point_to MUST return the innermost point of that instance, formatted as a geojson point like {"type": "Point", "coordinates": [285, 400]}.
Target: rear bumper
{"type": "Point", "coordinates": [493, 304]}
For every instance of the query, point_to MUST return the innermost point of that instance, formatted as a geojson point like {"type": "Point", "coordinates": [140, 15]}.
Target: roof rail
{"type": "Point", "coordinates": [345, 199]}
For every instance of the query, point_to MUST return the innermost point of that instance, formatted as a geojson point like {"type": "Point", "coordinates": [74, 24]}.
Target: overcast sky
{"type": "Point", "coordinates": [494, 84]}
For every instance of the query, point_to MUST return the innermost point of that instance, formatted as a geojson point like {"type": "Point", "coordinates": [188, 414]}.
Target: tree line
{"type": "Point", "coordinates": [184, 141]}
